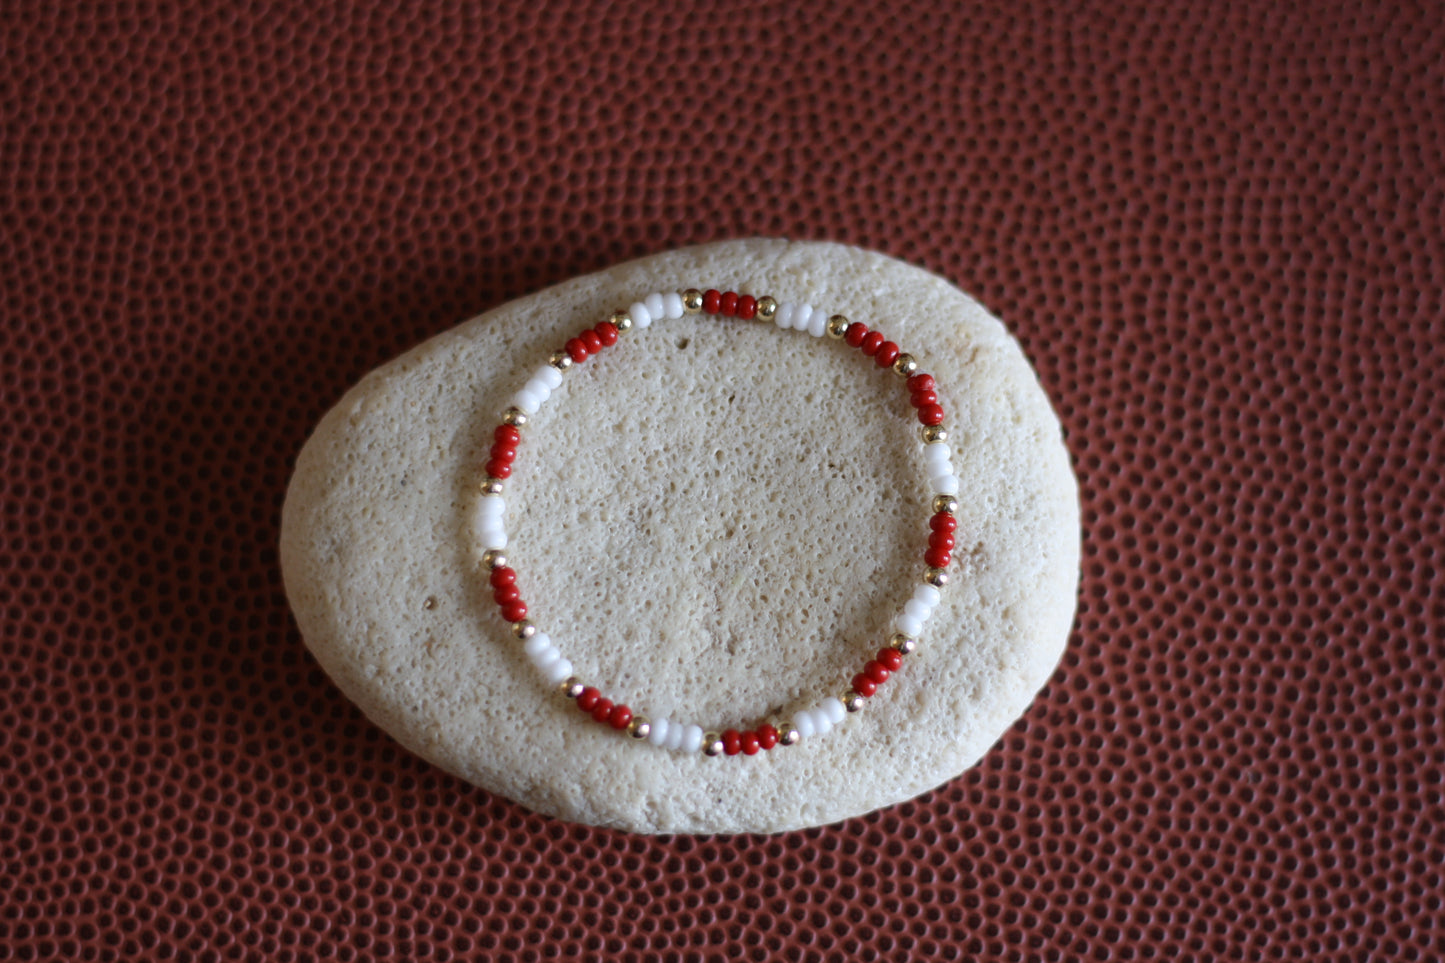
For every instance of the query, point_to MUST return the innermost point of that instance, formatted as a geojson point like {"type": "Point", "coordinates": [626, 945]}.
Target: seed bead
{"type": "Point", "coordinates": [901, 643]}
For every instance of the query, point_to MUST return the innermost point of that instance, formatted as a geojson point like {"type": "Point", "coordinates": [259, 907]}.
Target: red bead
{"type": "Point", "coordinates": [591, 340]}
{"type": "Point", "coordinates": [504, 454]}
{"type": "Point", "coordinates": [606, 333]}
{"type": "Point", "coordinates": [497, 469]}
{"type": "Point", "coordinates": [728, 304]}
{"type": "Point", "coordinates": [502, 575]}
{"type": "Point", "coordinates": [855, 334]}
{"type": "Point", "coordinates": [921, 382]}
{"type": "Point", "coordinates": [864, 686]}
{"type": "Point", "coordinates": [872, 341]}
{"type": "Point", "coordinates": [620, 717]}
{"type": "Point", "coordinates": [921, 399]}
{"type": "Point", "coordinates": [507, 435]}
{"type": "Point", "coordinates": [943, 522]}
{"type": "Point", "coordinates": [589, 698]}
{"type": "Point", "coordinates": [732, 742]}
{"type": "Point", "coordinates": [875, 672]}
{"type": "Point", "coordinates": [887, 354]}
{"type": "Point", "coordinates": [506, 594]}
{"type": "Point", "coordinates": [747, 307]}
{"type": "Point", "coordinates": [930, 415]}
{"type": "Point", "coordinates": [602, 711]}
{"type": "Point", "coordinates": [943, 540]}
{"type": "Point", "coordinates": [751, 745]}
{"type": "Point", "coordinates": [711, 301]}
{"type": "Point", "coordinates": [767, 736]}
{"type": "Point", "coordinates": [938, 557]}
{"type": "Point", "coordinates": [514, 611]}
{"type": "Point", "coordinates": [576, 349]}
{"type": "Point", "coordinates": [890, 659]}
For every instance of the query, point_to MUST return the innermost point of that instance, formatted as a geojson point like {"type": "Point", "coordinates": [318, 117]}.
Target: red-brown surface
{"type": "Point", "coordinates": [1216, 230]}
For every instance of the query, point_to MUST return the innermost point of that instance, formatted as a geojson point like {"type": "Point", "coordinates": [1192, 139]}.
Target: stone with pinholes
{"type": "Point", "coordinates": [716, 522]}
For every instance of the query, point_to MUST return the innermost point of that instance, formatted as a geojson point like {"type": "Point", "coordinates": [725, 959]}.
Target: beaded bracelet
{"type": "Point", "coordinates": [908, 624]}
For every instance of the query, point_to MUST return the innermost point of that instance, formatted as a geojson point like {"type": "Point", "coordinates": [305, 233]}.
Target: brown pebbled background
{"type": "Point", "coordinates": [1217, 230]}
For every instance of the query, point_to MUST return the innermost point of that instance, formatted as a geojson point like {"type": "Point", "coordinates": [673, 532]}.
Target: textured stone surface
{"type": "Point", "coordinates": [715, 521]}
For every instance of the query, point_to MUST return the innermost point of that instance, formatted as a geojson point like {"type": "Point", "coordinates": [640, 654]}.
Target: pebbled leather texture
{"type": "Point", "coordinates": [1216, 231]}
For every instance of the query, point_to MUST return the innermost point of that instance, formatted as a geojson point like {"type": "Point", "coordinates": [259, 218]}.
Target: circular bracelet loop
{"type": "Point", "coordinates": [805, 722]}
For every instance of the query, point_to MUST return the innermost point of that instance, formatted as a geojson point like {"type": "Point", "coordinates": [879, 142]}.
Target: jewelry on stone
{"type": "Point", "coordinates": [806, 722]}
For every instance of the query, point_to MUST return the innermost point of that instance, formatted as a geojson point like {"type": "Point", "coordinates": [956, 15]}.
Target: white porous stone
{"type": "Point", "coordinates": [709, 526]}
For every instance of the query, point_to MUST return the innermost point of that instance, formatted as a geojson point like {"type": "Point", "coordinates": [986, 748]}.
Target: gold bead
{"type": "Point", "coordinates": [692, 301]}
{"type": "Point", "coordinates": [712, 744]}
{"type": "Point", "coordinates": [493, 558]}
{"type": "Point", "coordinates": [492, 486]}
{"type": "Point", "coordinates": [905, 365]}
{"type": "Point", "coordinates": [622, 321]}
{"type": "Point", "coordinates": [936, 577]}
{"type": "Point", "coordinates": [572, 688]}
{"type": "Point", "coordinates": [837, 327]}
{"type": "Point", "coordinates": [945, 504]}
{"type": "Point", "coordinates": [932, 433]}
{"type": "Point", "coordinates": [640, 727]}
{"type": "Point", "coordinates": [852, 701]}
{"type": "Point", "coordinates": [515, 417]}
{"type": "Point", "coordinates": [767, 308]}
{"type": "Point", "coordinates": [524, 629]}
{"type": "Point", "coordinates": [902, 643]}
{"type": "Point", "coordinates": [560, 360]}
{"type": "Point", "coordinates": [788, 734]}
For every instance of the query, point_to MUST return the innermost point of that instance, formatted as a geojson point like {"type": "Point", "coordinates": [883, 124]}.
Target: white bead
{"type": "Point", "coordinates": [549, 376]}
{"type": "Point", "coordinates": [908, 625]}
{"type": "Point", "coordinates": [538, 644]}
{"type": "Point", "coordinates": [641, 317]}
{"type": "Point", "coordinates": [492, 537]}
{"type": "Point", "coordinates": [692, 739]}
{"type": "Point", "coordinates": [540, 388]}
{"type": "Point", "coordinates": [527, 401]}
{"type": "Point", "coordinates": [672, 305]}
{"type": "Point", "coordinates": [801, 314]}
{"type": "Point", "coordinates": [558, 672]}
{"type": "Point", "coordinates": [928, 595]}
{"type": "Point", "coordinates": [832, 707]}
{"type": "Point", "coordinates": [945, 484]}
{"type": "Point", "coordinates": [653, 303]}
{"type": "Point", "coordinates": [937, 453]}
{"type": "Point", "coordinates": [491, 507]}
{"type": "Point", "coordinates": [818, 323]}
{"type": "Point", "coordinates": [917, 610]}
{"type": "Point", "coordinates": [803, 722]}
{"type": "Point", "coordinates": [784, 317]}
{"type": "Point", "coordinates": [821, 723]}
{"type": "Point", "coordinates": [677, 737]}
{"type": "Point", "coordinates": [658, 734]}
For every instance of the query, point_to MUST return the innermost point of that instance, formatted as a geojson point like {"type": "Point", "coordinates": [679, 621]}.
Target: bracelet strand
{"type": "Point", "coordinates": [907, 624]}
